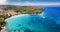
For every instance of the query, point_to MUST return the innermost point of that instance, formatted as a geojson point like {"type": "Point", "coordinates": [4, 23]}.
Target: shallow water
{"type": "Point", "coordinates": [35, 23]}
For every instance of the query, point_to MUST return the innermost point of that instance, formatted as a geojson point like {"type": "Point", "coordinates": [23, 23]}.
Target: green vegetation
{"type": "Point", "coordinates": [25, 9]}
{"type": "Point", "coordinates": [2, 22]}
{"type": "Point", "coordinates": [4, 16]}
{"type": "Point", "coordinates": [32, 10]}
{"type": "Point", "coordinates": [9, 8]}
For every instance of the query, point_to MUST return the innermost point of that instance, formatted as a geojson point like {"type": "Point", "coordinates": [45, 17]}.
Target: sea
{"type": "Point", "coordinates": [48, 22]}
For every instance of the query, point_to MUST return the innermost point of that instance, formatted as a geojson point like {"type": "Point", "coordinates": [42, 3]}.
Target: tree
{"type": "Point", "coordinates": [32, 10]}
{"type": "Point", "coordinates": [2, 23]}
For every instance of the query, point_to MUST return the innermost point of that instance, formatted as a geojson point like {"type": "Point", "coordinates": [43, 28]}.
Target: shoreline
{"type": "Point", "coordinates": [22, 15]}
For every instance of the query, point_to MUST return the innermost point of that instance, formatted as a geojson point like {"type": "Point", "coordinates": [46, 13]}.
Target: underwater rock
{"type": "Point", "coordinates": [28, 30]}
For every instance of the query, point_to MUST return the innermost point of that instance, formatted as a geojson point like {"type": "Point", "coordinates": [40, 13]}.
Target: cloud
{"type": "Point", "coordinates": [3, 2]}
{"type": "Point", "coordinates": [27, 3]}
{"type": "Point", "coordinates": [36, 4]}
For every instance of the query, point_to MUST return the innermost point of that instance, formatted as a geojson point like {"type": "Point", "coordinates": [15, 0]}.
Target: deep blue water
{"type": "Point", "coordinates": [53, 12]}
{"type": "Point", "coordinates": [36, 23]}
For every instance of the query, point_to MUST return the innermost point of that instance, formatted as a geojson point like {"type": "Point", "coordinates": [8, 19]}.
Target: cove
{"type": "Point", "coordinates": [29, 23]}
{"type": "Point", "coordinates": [35, 23]}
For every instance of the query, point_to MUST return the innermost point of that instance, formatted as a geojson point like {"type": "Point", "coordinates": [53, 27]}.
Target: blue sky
{"type": "Point", "coordinates": [30, 2]}
{"type": "Point", "coordinates": [34, 0]}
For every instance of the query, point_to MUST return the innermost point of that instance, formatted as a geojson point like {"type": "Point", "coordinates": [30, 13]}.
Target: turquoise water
{"type": "Point", "coordinates": [29, 23]}
{"type": "Point", "coordinates": [26, 21]}
{"type": "Point", "coordinates": [49, 22]}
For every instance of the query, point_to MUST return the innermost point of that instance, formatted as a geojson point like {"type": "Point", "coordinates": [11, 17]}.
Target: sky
{"type": "Point", "coordinates": [31, 2]}
{"type": "Point", "coordinates": [34, 0]}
